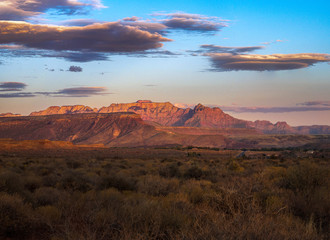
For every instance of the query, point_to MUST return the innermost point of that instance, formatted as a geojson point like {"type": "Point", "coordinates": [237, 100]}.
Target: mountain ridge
{"type": "Point", "coordinates": [167, 114]}
{"type": "Point", "coordinates": [130, 130]}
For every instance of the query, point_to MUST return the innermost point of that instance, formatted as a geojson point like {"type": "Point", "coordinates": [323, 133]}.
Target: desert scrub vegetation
{"type": "Point", "coordinates": [179, 193]}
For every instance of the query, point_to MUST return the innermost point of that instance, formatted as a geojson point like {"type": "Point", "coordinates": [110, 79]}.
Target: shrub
{"type": "Point", "coordinates": [310, 198]}
{"type": "Point", "coordinates": [74, 181]}
{"type": "Point", "coordinates": [169, 171]}
{"type": "Point", "coordinates": [234, 166]}
{"type": "Point", "coordinates": [120, 182]}
{"type": "Point", "coordinates": [31, 183]}
{"type": "Point", "coordinates": [193, 154]}
{"type": "Point", "coordinates": [158, 186]}
{"type": "Point", "coordinates": [46, 196]}
{"type": "Point", "coordinates": [193, 172]}
{"type": "Point", "coordinates": [51, 215]}
{"type": "Point", "coordinates": [10, 182]}
{"type": "Point", "coordinates": [15, 217]}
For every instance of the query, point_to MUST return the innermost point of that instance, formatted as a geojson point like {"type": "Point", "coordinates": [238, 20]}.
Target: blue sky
{"type": "Point", "coordinates": [255, 59]}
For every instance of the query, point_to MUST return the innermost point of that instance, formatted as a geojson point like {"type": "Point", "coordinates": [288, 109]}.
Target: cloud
{"type": "Point", "coordinates": [82, 56]}
{"type": "Point", "coordinates": [77, 92]}
{"type": "Point", "coordinates": [192, 22]}
{"type": "Point", "coordinates": [315, 103]}
{"type": "Point", "coordinates": [210, 48]}
{"type": "Point", "coordinates": [12, 86]}
{"type": "Point", "coordinates": [11, 46]}
{"type": "Point", "coordinates": [17, 95]}
{"type": "Point", "coordinates": [79, 22]}
{"type": "Point", "coordinates": [184, 105]}
{"type": "Point", "coordinates": [24, 9]}
{"type": "Point", "coordinates": [274, 62]}
{"type": "Point", "coordinates": [271, 42]}
{"type": "Point", "coordinates": [99, 37]}
{"type": "Point", "coordinates": [152, 27]}
{"type": "Point", "coordinates": [241, 109]}
{"type": "Point", "coordinates": [66, 92]}
{"type": "Point", "coordinates": [75, 69]}
{"type": "Point", "coordinates": [273, 109]}
{"type": "Point", "coordinates": [154, 54]}
{"type": "Point", "coordinates": [71, 56]}
{"type": "Point", "coordinates": [76, 56]}
{"type": "Point", "coordinates": [131, 19]}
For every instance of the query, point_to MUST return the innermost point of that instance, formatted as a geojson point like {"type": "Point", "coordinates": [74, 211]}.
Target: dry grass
{"type": "Point", "coordinates": [163, 194]}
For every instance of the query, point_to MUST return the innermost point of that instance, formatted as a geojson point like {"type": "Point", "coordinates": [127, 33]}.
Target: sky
{"type": "Point", "coordinates": [266, 60]}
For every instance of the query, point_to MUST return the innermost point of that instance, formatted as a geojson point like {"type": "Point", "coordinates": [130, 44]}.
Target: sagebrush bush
{"type": "Point", "coordinates": [11, 182]}
{"type": "Point", "coordinates": [46, 196]}
{"type": "Point", "coordinates": [120, 182]}
{"type": "Point", "coordinates": [16, 219]}
{"type": "Point", "coordinates": [157, 186]}
{"type": "Point", "coordinates": [310, 196]}
{"type": "Point", "coordinates": [193, 172]}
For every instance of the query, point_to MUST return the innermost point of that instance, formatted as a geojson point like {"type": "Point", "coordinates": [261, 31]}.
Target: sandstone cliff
{"type": "Point", "coordinates": [93, 128]}
{"type": "Point", "coordinates": [64, 110]}
{"type": "Point", "coordinates": [163, 113]}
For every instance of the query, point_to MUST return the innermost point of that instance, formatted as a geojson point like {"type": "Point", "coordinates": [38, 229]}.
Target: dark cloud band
{"type": "Point", "coordinates": [17, 95]}
{"type": "Point", "coordinates": [98, 37]}
{"type": "Point", "coordinates": [66, 92]}
{"type": "Point", "coordinates": [12, 86]}
{"type": "Point", "coordinates": [315, 103]}
{"type": "Point", "coordinates": [275, 62]}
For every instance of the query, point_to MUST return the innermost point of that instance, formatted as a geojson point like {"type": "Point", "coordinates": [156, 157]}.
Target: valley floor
{"type": "Point", "coordinates": [67, 192]}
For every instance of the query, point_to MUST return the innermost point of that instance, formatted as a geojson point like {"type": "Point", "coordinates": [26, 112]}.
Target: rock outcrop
{"type": "Point", "coordinates": [213, 118]}
{"type": "Point", "coordinates": [92, 128]}
{"type": "Point", "coordinates": [9, 115]}
{"type": "Point", "coordinates": [64, 110]}
{"type": "Point", "coordinates": [163, 113]}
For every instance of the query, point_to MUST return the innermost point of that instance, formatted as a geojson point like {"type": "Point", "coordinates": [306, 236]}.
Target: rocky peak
{"type": "Point", "coordinates": [143, 101]}
{"type": "Point", "coordinates": [282, 126]}
{"type": "Point", "coordinates": [199, 107]}
{"type": "Point", "coordinates": [10, 115]}
{"type": "Point", "coordinates": [163, 113]}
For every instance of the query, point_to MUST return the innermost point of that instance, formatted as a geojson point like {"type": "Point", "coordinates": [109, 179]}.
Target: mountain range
{"type": "Point", "coordinates": [166, 114]}
{"type": "Point", "coordinates": [145, 123]}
